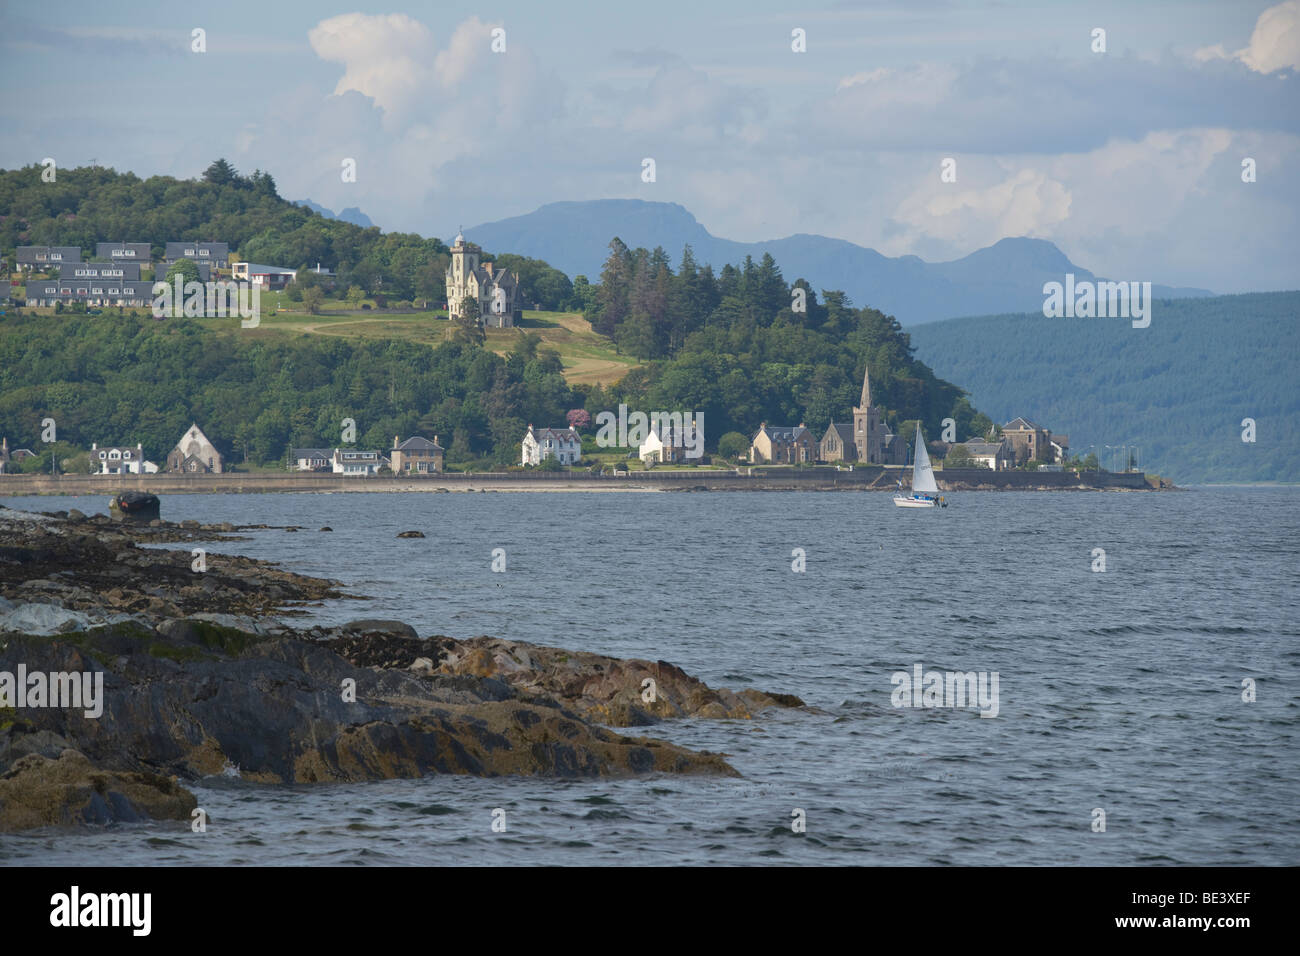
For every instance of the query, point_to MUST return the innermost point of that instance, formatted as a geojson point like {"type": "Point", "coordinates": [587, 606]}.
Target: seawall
{"type": "Point", "coordinates": [768, 479]}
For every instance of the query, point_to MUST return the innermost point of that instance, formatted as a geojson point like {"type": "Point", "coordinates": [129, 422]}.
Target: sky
{"type": "Point", "coordinates": [1129, 159]}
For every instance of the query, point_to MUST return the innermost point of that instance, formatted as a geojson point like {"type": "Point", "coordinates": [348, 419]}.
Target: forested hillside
{"type": "Point", "coordinates": [1179, 389]}
{"type": "Point", "coordinates": [128, 380]}
{"type": "Point", "coordinates": [742, 346]}
{"type": "Point", "coordinates": [94, 204]}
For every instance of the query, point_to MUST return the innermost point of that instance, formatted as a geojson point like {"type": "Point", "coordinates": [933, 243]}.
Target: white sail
{"type": "Point", "coordinates": [922, 473]}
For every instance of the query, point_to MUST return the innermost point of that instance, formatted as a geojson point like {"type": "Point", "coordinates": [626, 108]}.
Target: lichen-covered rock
{"type": "Point", "coordinates": [611, 690]}
{"type": "Point", "coordinates": [37, 791]}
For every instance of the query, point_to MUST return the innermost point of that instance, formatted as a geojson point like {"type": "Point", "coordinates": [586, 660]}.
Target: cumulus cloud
{"type": "Point", "coordinates": [1104, 157]}
{"type": "Point", "coordinates": [1274, 43]}
{"type": "Point", "coordinates": [386, 58]}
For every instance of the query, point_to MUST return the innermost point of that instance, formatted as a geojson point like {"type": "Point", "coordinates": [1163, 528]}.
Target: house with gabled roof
{"type": "Point", "coordinates": [138, 252]}
{"type": "Point", "coordinates": [123, 271]}
{"type": "Point", "coordinates": [1028, 440]}
{"type": "Point", "coordinates": [782, 445]}
{"type": "Point", "coordinates": [416, 456]}
{"type": "Point", "coordinates": [310, 459]}
{"type": "Point", "coordinates": [356, 461]}
{"type": "Point", "coordinates": [213, 253]}
{"type": "Point", "coordinates": [120, 460]}
{"type": "Point", "coordinates": [45, 257]}
{"type": "Point", "coordinates": [996, 456]}
{"type": "Point", "coordinates": [562, 444]}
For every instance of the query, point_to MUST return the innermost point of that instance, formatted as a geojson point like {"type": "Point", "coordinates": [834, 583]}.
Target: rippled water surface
{"type": "Point", "coordinates": [1119, 690]}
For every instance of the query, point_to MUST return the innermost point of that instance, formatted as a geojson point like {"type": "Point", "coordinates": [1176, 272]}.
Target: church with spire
{"type": "Point", "coordinates": [495, 290]}
{"type": "Point", "coordinates": [867, 439]}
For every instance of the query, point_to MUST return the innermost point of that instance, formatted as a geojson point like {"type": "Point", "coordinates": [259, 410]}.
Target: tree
{"type": "Point", "coordinates": [312, 299]}
{"type": "Point", "coordinates": [733, 445]}
{"type": "Point", "coordinates": [466, 326]}
{"type": "Point", "coordinates": [186, 269]}
{"type": "Point", "coordinates": [578, 418]}
{"type": "Point", "coordinates": [355, 295]}
{"type": "Point", "coordinates": [220, 173]}
{"type": "Point", "coordinates": [959, 457]}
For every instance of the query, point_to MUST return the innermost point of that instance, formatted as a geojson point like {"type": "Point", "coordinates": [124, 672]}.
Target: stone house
{"type": "Point", "coordinates": [416, 456]}
{"type": "Point", "coordinates": [782, 445]}
{"type": "Point", "coordinates": [1027, 440]}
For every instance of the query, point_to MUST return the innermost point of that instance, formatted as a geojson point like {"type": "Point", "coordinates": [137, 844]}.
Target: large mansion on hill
{"type": "Point", "coordinates": [496, 290]}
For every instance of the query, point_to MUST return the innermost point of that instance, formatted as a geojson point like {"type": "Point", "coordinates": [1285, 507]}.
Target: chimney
{"type": "Point", "coordinates": [396, 441]}
{"type": "Point", "coordinates": [435, 439]}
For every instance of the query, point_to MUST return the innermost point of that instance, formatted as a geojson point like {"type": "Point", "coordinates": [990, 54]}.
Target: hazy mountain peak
{"type": "Point", "coordinates": [1007, 276]}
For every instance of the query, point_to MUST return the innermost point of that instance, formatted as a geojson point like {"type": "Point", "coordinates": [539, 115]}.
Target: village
{"type": "Point", "coordinates": [114, 278]}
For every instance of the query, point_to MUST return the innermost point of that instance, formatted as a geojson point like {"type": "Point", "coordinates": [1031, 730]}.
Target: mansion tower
{"type": "Point", "coordinates": [497, 290]}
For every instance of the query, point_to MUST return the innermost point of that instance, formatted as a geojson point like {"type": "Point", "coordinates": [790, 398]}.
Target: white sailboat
{"type": "Point", "coordinates": [925, 493]}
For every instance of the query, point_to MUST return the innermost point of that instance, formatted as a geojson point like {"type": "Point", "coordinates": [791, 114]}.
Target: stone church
{"type": "Point", "coordinates": [194, 454]}
{"type": "Point", "coordinates": [497, 290]}
{"type": "Point", "coordinates": [867, 440]}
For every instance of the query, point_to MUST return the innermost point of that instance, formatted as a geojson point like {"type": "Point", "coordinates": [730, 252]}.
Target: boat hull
{"type": "Point", "coordinates": [905, 502]}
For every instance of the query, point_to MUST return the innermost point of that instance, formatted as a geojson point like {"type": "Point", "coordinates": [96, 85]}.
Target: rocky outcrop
{"type": "Point", "coordinates": [38, 791]}
{"type": "Point", "coordinates": [610, 690]}
{"type": "Point", "coordinates": [198, 680]}
{"type": "Point", "coordinates": [192, 698]}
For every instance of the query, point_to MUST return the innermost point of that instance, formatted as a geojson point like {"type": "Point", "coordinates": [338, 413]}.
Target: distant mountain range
{"type": "Point", "coordinates": [1005, 277]}
{"type": "Point", "coordinates": [1177, 391]}
{"type": "Point", "coordinates": [352, 214]}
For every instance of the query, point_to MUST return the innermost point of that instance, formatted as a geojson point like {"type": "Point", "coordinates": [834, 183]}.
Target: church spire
{"type": "Point", "coordinates": [866, 389]}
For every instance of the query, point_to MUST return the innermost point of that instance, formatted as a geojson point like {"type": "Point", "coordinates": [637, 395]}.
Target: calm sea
{"type": "Point", "coordinates": [1118, 691]}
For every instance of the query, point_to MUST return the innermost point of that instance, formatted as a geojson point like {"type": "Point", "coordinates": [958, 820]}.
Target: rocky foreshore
{"type": "Point", "coordinates": [200, 674]}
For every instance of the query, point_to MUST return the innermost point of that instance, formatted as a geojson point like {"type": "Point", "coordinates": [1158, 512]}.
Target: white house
{"type": "Point", "coordinates": [666, 444]}
{"type": "Point", "coordinates": [350, 461]}
{"type": "Point", "coordinates": [310, 459]}
{"type": "Point", "coordinates": [996, 456]}
{"type": "Point", "coordinates": [562, 444]}
{"type": "Point", "coordinates": [267, 277]}
{"type": "Point", "coordinates": [121, 460]}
